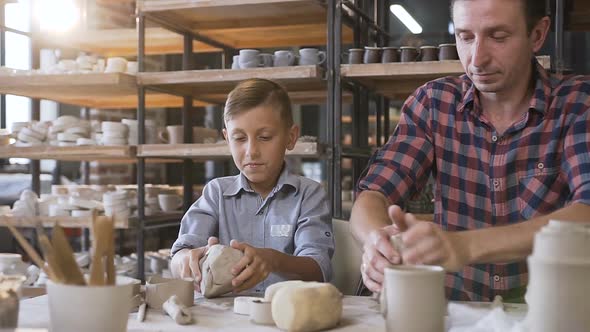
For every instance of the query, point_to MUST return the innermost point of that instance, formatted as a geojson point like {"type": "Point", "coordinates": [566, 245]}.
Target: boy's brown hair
{"type": "Point", "coordinates": [256, 92]}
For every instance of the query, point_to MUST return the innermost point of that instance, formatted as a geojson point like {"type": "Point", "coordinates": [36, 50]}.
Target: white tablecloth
{"type": "Point", "coordinates": [360, 314]}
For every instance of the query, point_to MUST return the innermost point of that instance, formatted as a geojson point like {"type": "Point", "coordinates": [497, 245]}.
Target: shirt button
{"type": "Point", "coordinates": [540, 166]}
{"type": "Point", "coordinates": [494, 138]}
{"type": "Point", "coordinates": [496, 278]}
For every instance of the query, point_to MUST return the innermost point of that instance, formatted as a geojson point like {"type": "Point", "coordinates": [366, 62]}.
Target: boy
{"type": "Point", "coordinates": [279, 220]}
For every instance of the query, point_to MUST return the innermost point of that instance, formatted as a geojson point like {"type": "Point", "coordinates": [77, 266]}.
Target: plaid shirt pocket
{"type": "Point", "coordinates": [538, 191]}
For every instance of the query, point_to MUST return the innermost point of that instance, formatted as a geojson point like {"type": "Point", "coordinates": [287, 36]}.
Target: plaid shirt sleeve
{"type": "Point", "coordinates": [576, 157]}
{"type": "Point", "coordinates": [401, 167]}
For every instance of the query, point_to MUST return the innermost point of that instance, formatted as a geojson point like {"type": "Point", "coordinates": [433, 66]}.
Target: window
{"type": "Point", "coordinates": [15, 32]}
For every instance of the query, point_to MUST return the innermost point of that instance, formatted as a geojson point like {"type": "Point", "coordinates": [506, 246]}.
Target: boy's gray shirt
{"type": "Point", "coordinates": [294, 219]}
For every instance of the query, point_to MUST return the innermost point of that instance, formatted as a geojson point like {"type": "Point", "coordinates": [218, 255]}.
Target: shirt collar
{"type": "Point", "coordinates": [286, 179]}
{"type": "Point", "coordinates": [539, 100]}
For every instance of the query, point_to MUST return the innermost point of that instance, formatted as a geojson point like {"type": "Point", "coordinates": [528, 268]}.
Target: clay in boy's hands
{"type": "Point", "coordinates": [188, 266]}
{"type": "Point", "coordinates": [253, 268]}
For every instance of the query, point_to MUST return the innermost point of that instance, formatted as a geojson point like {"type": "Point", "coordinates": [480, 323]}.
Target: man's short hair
{"type": "Point", "coordinates": [534, 11]}
{"type": "Point", "coordinates": [255, 92]}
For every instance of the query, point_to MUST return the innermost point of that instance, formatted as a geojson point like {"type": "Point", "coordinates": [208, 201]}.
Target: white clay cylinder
{"type": "Point", "coordinates": [307, 307]}
{"type": "Point", "coordinates": [242, 304]}
{"type": "Point", "coordinates": [261, 313]}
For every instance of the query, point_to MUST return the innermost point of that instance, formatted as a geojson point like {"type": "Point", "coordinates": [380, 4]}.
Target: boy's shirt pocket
{"type": "Point", "coordinates": [279, 235]}
{"type": "Point", "coordinates": [284, 230]}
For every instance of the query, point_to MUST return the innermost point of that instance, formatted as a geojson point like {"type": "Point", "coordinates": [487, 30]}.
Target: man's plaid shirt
{"type": "Point", "coordinates": [484, 178]}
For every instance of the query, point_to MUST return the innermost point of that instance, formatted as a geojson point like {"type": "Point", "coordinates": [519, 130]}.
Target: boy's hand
{"type": "Point", "coordinates": [253, 268]}
{"type": "Point", "coordinates": [185, 264]}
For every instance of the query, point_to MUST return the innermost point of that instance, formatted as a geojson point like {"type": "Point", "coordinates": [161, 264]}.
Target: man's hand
{"type": "Point", "coordinates": [426, 243]}
{"type": "Point", "coordinates": [253, 267]}
{"type": "Point", "coordinates": [185, 263]}
{"type": "Point", "coordinates": [378, 253]}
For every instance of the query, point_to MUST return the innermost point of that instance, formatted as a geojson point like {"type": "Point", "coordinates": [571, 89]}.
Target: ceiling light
{"type": "Point", "coordinates": [57, 15]}
{"type": "Point", "coordinates": [402, 14]}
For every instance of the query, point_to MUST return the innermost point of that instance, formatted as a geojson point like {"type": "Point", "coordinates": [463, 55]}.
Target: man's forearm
{"type": "Point", "coordinates": [514, 242]}
{"type": "Point", "coordinates": [368, 213]}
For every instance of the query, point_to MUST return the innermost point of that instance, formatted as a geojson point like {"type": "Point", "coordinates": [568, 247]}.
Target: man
{"type": "Point", "coordinates": [508, 146]}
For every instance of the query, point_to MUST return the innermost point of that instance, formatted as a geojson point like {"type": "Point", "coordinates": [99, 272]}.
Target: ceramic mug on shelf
{"type": "Point", "coordinates": [283, 58]}
{"type": "Point", "coordinates": [311, 56]}
{"type": "Point", "coordinates": [172, 135]}
{"type": "Point", "coordinates": [249, 58]}
{"type": "Point", "coordinates": [116, 65]}
{"type": "Point", "coordinates": [12, 264]}
{"type": "Point", "coordinates": [169, 202]}
{"type": "Point", "coordinates": [235, 62]}
{"type": "Point", "coordinates": [266, 59]}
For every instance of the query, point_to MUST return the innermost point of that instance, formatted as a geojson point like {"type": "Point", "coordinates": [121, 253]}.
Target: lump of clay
{"type": "Point", "coordinates": [271, 290]}
{"type": "Point", "coordinates": [305, 306]}
{"type": "Point", "coordinates": [216, 270]}
{"type": "Point", "coordinates": [179, 313]}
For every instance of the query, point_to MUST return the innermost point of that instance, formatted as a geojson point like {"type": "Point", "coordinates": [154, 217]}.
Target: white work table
{"type": "Point", "coordinates": [359, 314]}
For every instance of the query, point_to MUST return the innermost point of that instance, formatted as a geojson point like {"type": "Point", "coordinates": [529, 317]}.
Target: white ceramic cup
{"type": "Point", "coordinates": [311, 56]}
{"type": "Point", "coordinates": [249, 58]}
{"type": "Point", "coordinates": [566, 244]}
{"type": "Point", "coordinates": [12, 264]}
{"type": "Point", "coordinates": [169, 202]}
{"type": "Point", "coordinates": [414, 298]}
{"type": "Point", "coordinates": [284, 58]}
{"type": "Point", "coordinates": [558, 295]}
{"type": "Point", "coordinates": [235, 62]}
{"type": "Point", "coordinates": [116, 65]}
{"type": "Point", "coordinates": [90, 308]}
{"type": "Point", "coordinates": [132, 67]}
{"type": "Point", "coordinates": [266, 59]}
{"type": "Point", "coordinates": [172, 135]}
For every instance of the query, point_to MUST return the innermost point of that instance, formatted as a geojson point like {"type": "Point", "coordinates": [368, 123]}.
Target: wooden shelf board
{"type": "Point", "coordinates": [70, 222]}
{"type": "Point", "coordinates": [398, 79]}
{"type": "Point", "coordinates": [213, 151]}
{"type": "Point", "coordinates": [73, 153]}
{"type": "Point", "coordinates": [86, 222]}
{"type": "Point", "coordinates": [246, 23]}
{"type": "Point", "coordinates": [223, 14]}
{"type": "Point", "coordinates": [215, 84]}
{"type": "Point", "coordinates": [123, 42]}
{"type": "Point", "coordinates": [96, 90]}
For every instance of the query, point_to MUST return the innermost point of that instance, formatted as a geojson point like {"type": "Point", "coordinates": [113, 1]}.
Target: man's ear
{"type": "Point", "coordinates": [293, 136]}
{"type": "Point", "coordinates": [224, 131]}
{"type": "Point", "coordinates": [539, 33]}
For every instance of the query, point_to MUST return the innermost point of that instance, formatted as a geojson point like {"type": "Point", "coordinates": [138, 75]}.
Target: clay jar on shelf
{"type": "Point", "coordinates": [372, 54]}
{"type": "Point", "coordinates": [390, 54]}
{"type": "Point", "coordinates": [355, 55]}
{"type": "Point", "coordinates": [428, 53]}
{"type": "Point", "coordinates": [447, 52]}
{"type": "Point", "coordinates": [409, 54]}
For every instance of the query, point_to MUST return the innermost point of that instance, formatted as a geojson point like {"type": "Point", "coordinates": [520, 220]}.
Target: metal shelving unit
{"type": "Point", "coordinates": [229, 25]}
